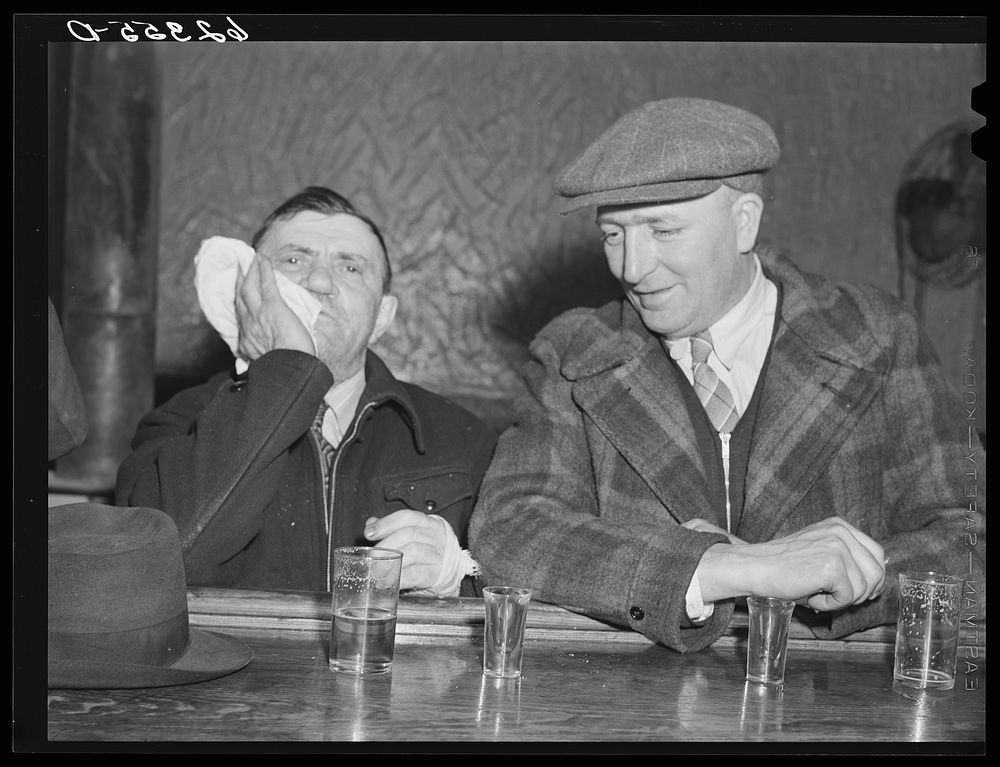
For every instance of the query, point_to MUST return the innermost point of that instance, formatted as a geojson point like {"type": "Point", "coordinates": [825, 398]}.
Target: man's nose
{"type": "Point", "coordinates": [320, 279]}
{"type": "Point", "coordinates": [638, 258]}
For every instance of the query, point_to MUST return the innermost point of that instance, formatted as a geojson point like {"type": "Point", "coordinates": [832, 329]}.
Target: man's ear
{"type": "Point", "coordinates": [748, 208]}
{"type": "Point", "coordinates": [386, 314]}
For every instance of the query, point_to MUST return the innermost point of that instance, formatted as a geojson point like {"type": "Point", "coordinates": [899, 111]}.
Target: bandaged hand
{"type": "Point", "coordinates": [264, 319]}
{"type": "Point", "coordinates": [433, 562]}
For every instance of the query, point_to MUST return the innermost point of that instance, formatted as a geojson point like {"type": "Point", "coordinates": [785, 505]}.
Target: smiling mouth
{"type": "Point", "coordinates": [652, 296]}
{"type": "Point", "coordinates": [655, 292]}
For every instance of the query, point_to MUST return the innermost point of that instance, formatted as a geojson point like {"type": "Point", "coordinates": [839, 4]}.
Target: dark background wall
{"type": "Point", "coordinates": [452, 147]}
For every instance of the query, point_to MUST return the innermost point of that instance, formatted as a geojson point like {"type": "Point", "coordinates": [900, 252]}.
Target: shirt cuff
{"type": "Point", "coordinates": [697, 610]}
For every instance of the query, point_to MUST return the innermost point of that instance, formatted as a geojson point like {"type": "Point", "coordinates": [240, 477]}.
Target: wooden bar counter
{"type": "Point", "coordinates": [582, 681]}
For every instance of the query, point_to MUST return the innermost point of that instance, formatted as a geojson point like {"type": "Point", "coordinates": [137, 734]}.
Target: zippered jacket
{"type": "Point", "coordinates": [236, 465]}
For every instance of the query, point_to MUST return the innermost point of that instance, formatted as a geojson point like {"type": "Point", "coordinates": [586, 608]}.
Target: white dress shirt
{"type": "Point", "coordinates": [740, 339]}
{"type": "Point", "coordinates": [342, 402]}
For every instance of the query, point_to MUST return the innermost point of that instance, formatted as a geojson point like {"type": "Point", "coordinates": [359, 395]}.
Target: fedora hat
{"type": "Point", "coordinates": [118, 612]}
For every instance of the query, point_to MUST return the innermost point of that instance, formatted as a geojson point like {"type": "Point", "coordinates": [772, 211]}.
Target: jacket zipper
{"type": "Point", "coordinates": [725, 471]}
{"type": "Point", "coordinates": [329, 495]}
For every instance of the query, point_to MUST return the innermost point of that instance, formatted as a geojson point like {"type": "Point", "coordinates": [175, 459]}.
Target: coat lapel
{"type": "Point", "coordinates": [632, 395]}
{"type": "Point", "coordinates": [816, 385]}
{"type": "Point", "coordinates": [820, 378]}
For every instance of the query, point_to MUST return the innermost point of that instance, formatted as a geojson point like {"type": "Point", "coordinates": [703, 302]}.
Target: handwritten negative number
{"type": "Point", "coordinates": [88, 33]}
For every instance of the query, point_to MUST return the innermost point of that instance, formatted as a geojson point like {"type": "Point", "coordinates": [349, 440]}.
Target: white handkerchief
{"type": "Point", "coordinates": [215, 270]}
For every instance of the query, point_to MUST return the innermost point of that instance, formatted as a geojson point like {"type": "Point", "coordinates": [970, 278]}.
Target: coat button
{"type": "Point", "coordinates": [430, 505]}
{"type": "Point", "coordinates": [237, 386]}
{"type": "Point", "coordinates": [636, 613]}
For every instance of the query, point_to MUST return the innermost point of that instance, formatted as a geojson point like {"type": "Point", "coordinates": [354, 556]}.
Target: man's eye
{"type": "Point", "coordinates": [611, 238]}
{"type": "Point", "coordinates": [665, 234]}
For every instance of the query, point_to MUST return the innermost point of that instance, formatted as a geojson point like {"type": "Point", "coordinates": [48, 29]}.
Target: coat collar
{"type": "Point", "coordinates": [826, 366]}
{"type": "Point", "coordinates": [807, 311]}
{"type": "Point", "coordinates": [640, 408]}
{"type": "Point", "coordinates": [383, 388]}
{"type": "Point", "coordinates": [618, 337]}
{"type": "Point", "coordinates": [805, 303]}
{"type": "Point", "coordinates": [623, 380]}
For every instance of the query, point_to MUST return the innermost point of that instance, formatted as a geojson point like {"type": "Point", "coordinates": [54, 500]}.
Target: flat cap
{"type": "Point", "coordinates": [667, 150]}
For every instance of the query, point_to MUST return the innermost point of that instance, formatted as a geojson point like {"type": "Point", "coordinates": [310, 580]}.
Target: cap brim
{"type": "Point", "coordinates": [209, 656]}
{"type": "Point", "coordinates": [652, 193]}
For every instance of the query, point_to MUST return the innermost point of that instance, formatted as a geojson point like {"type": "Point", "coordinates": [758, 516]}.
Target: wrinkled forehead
{"type": "Point", "coordinates": [323, 231]}
{"type": "Point", "coordinates": [326, 233]}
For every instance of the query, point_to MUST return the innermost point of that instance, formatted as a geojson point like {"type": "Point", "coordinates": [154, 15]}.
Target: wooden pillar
{"type": "Point", "coordinates": [110, 250]}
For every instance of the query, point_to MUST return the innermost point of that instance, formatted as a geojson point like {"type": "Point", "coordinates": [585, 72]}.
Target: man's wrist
{"type": "Point", "coordinates": [720, 576]}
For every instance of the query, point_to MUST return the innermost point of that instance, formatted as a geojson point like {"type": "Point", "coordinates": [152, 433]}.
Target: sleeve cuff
{"type": "Point", "coordinates": [697, 610]}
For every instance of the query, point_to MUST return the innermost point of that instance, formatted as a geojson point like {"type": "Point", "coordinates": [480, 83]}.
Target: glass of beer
{"type": "Point", "coordinates": [365, 598]}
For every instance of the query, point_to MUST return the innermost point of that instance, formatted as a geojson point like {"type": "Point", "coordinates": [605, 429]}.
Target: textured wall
{"type": "Point", "coordinates": [452, 147]}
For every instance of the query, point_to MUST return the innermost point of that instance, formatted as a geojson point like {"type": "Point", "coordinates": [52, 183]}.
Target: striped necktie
{"type": "Point", "coordinates": [713, 393]}
{"type": "Point", "coordinates": [326, 450]}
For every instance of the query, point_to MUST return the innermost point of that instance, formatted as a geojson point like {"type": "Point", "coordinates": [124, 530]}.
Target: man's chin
{"type": "Point", "coordinates": [342, 365]}
{"type": "Point", "coordinates": [663, 324]}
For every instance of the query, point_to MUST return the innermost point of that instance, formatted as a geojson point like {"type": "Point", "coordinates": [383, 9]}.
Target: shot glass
{"type": "Point", "coordinates": [503, 638]}
{"type": "Point", "coordinates": [767, 642]}
{"type": "Point", "coordinates": [927, 630]}
{"type": "Point", "coordinates": [365, 599]}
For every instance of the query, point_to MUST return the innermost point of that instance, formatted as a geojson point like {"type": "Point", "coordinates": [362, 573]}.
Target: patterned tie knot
{"type": "Point", "coordinates": [713, 393]}
{"type": "Point", "coordinates": [701, 347]}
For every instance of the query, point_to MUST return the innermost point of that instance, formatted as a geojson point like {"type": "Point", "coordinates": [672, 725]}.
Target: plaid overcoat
{"type": "Point", "coordinates": [587, 490]}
